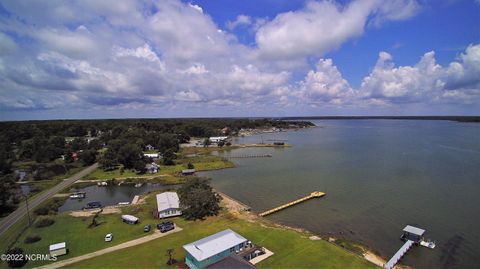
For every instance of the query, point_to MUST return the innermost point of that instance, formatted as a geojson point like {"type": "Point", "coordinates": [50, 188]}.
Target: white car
{"type": "Point", "coordinates": [108, 237]}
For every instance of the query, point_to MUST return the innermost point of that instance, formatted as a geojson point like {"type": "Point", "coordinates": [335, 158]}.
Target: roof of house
{"type": "Point", "coordinates": [214, 244]}
{"type": "Point", "coordinates": [58, 246]}
{"type": "Point", "coordinates": [414, 230]}
{"type": "Point", "coordinates": [166, 200]}
{"type": "Point", "coordinates": [232, 262]}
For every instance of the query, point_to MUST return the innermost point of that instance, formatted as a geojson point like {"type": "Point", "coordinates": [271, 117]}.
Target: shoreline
{"type": "Point", "coordinates": [242, 211]}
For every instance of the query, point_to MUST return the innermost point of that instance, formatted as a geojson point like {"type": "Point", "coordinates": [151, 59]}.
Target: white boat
{"type": "Point", "coordinates": [428, 244]}
{"type": "Point", "coordinates": [138, 185]}
{"type": "Point", "coordinates": [77, 195]}
{"type": "Point", "coordinates": [123, 203]}
{"type": "Point", "coordinates": [103, 183]}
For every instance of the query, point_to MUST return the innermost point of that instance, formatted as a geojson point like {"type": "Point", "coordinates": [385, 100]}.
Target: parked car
{"type": "Point", "coordinates": [108, 237]}
{"type": "Point", "coordinates": [147, 228]}
{"type": "Point", "coordinates": [166, 226]}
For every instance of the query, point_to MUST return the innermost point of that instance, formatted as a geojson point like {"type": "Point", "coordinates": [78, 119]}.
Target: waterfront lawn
{"type": "Point", "coordinates": [292, 249]}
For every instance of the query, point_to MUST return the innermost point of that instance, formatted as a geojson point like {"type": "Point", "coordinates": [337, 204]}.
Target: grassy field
{"type": "Point", "coordinates": [201, 163]}
{"type": "Point", "coordinates": [292, 249]}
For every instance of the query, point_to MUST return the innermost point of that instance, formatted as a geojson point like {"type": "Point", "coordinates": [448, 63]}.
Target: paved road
{"type": "Point", "coordinates": [16, 215]}
{"type": "Point", "coordinates": [127, 244]}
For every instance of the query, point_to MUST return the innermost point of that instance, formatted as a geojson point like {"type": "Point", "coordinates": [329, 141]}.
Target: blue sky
{"type": "Point", "coordinates": [171, 58]}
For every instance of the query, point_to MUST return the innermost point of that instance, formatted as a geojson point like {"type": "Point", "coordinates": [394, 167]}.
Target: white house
{"type": "Point", "coordinates": [58, 249]}
{"type": "Point", "coordinates": [168, 205]}
{"type": "Point", "coordinates": [149, 147]}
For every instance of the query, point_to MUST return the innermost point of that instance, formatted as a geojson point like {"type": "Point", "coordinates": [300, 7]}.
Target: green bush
{"type": "Point", "coordinates": [44, 222]}
{"type": "Point", "coordinates": [32, 239]}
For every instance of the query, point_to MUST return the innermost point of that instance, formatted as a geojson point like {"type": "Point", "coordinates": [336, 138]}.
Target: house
{"type": "Point", "coordinates": [225, 130]}
{"type": "Point", "coordinates": [58, 249]}
{"type": "Point", "coordinates": [149, 147]}
{"type": "Point", "coordinates": [216, 139]}
{"type": "Point", "coordinates": [212, 249]}
{"type": "Point", "coordinates": [168, 205]}
{"type": "Point", "coordinates": [186, 172]}
{"type": "Point", "coordinates": [152, 168]}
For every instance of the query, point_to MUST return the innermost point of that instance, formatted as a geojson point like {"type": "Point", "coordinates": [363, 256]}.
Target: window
{"type": "Point", "coordinates": [232, 249]}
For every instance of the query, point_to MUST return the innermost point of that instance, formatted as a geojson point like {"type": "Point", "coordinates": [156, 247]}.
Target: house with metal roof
{"type": "Point", "coordinates": [212, 249]}
{"type": "Point", "coordinates": [168, 205]}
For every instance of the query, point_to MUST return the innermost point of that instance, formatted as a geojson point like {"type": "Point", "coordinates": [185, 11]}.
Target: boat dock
{"type": "Point", "coordinates": [315, 194]}
{"type": "Point", "coordinates": [406, 247]}
{"type": "Point", "coordinates": [249, 156]}
{"type": "Point", "coordinates": [411, 235]}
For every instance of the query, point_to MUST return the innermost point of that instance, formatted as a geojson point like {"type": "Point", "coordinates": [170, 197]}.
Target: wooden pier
{"type": "Point", "coordinates": [249, 156]}
{"type": "Point", "coordinates": [315, 194]}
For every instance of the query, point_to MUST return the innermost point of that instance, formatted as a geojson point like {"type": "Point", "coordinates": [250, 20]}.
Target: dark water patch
{"type": "Point", "coordinates": [450, 251]}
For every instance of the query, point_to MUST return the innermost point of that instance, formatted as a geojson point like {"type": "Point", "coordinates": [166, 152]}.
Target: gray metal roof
{"type": "Point", "coordinates": [214, 244]}
{"type": "Point", "coordinates": [167, 200]}
{"type": "Point", "coordinates": [57, 246]}
{"type": "Point", "coordinates": [414, 230]}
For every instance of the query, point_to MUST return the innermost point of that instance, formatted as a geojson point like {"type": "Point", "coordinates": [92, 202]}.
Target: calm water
{"type": "Point", "coordinates": [379, 175]}
{"type": "Point", "coordinates": [110, 195]}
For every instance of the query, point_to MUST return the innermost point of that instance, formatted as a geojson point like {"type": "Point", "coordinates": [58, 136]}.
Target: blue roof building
{"type": "Point", "coordinates": [212, 249]}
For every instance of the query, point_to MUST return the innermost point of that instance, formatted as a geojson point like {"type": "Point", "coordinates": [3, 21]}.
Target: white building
{"type": "Point", "coordinates": [168, 205]}
{"type": "Point", "coordinates": [152, 155]}
{"type": "Point", "coordinates": [216, 139]}
{"type": "Point", "coordinates": [58, 249]}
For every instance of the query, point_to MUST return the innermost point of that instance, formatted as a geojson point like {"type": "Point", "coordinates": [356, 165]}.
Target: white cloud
{"type": "Point", "coordinates": [325, 85]}
{"type": "Point", "coordinates": [240, 20]}
{"type": "Point", "coordinates": [323, 26]}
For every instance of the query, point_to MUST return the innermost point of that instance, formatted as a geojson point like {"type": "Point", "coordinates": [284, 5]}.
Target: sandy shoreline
{"type": "Point", "coordinates": [242, 211]}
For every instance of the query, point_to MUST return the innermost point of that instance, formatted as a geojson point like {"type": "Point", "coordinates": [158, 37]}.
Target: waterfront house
{"type": "Point", "coordinates": [213, 249]}
{"type": "Point", "coordinates": [187, 172]}
{"type": "Point", "coordinates": [58, 249]}
{"type": "Point", "coordinates": [152, 168]}
{"type": "Point", "coordinates": [216, 139]}
{"type": "Point", "coordinates": [168, 205]}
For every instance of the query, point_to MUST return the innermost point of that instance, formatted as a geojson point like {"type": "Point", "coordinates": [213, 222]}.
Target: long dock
{"type": "Point", "coordinates": [394, 260]}
{"type": "Point", "coordinates": [249, 156]}
{"type": "Point", "coordinates": [315, 194]}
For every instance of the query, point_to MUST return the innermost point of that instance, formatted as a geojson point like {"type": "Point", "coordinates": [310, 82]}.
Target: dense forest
{"type": "Point", "coordinates": [47, 147]}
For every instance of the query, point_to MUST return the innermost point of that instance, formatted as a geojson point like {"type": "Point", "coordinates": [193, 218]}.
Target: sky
{"type": "Point", "coordinates": [230, 58]}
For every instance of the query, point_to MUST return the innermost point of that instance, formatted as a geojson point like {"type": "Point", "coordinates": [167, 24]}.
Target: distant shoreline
{"type": "Point", "coordinates": [475, 119]}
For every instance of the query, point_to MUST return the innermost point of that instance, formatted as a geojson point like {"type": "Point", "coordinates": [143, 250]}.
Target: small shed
{"type": "Point", "coordinates": [58, 249]}
{"type": "Point", "coordinates": [130, 219]}
{"type": "Point", "coordinates": [413, 233]}
{"type": "Point", "coordinates": [187, 172]}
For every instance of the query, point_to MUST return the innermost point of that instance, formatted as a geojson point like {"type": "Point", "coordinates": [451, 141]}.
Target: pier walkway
{"type": "Point", "coordinates": [248, 156]}
{"type": "Point", "coordinates": [394, 260]}
{"type": "Point", "coordinates": [315, 194]}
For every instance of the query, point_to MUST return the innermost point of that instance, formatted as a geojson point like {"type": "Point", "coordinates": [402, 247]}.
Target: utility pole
{"type": "Point", "coordinates": [28, 213]}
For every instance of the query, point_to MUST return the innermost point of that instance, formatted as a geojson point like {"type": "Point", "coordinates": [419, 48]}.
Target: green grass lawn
{"type": "Point", "coordinates": [292, 249]}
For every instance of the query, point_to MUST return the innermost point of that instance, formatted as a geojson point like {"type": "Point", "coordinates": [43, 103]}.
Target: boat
{"type": "Point", "coordinates": [103, 183]}
{"type": "Point", "coordinates": [78, 195]}
{"type": "Point", "coordinates": [429, 244]}
{"type": "Point", "coordinates": [123, 203]}
{"type": "Point", "coordinates": [138, 185]}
